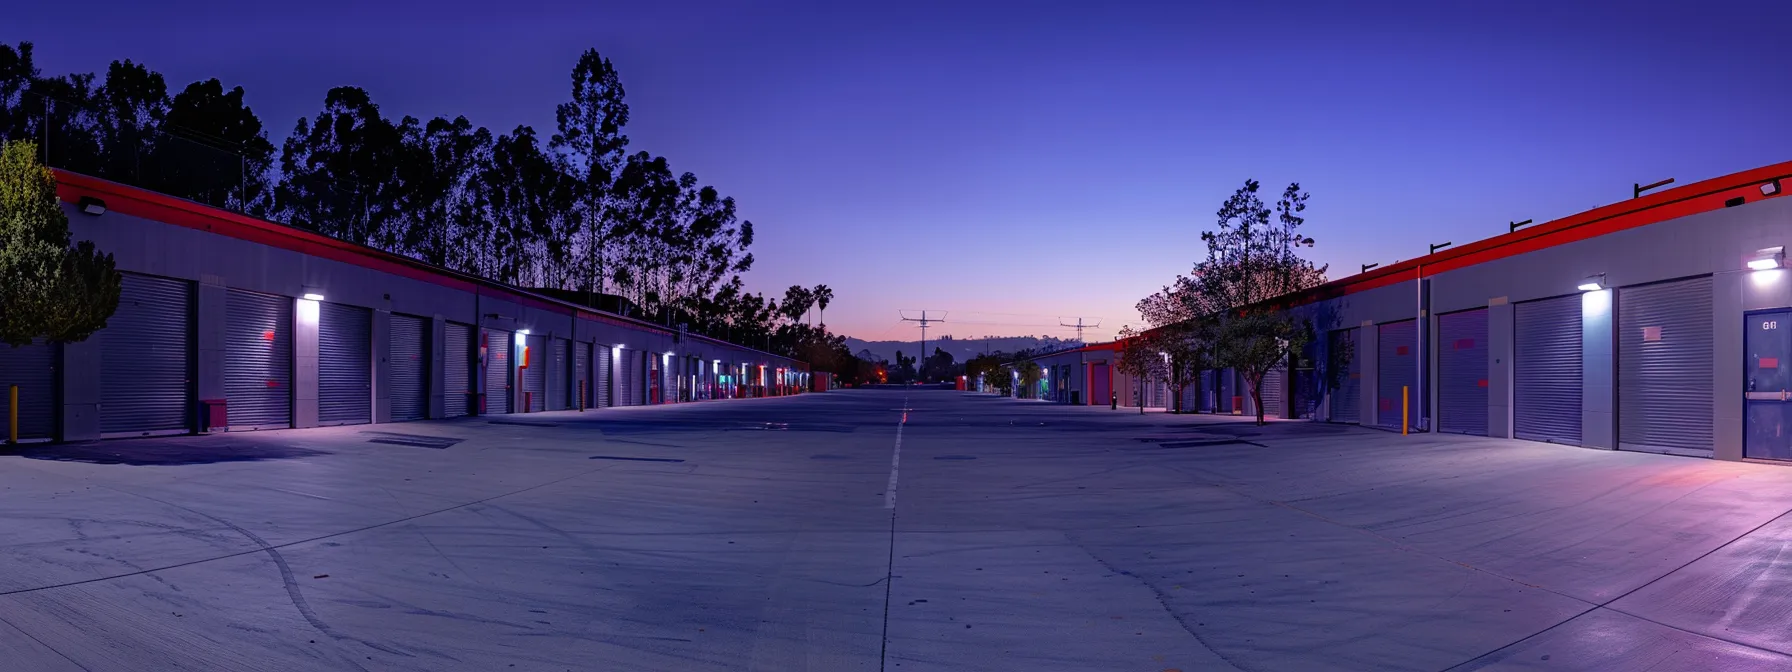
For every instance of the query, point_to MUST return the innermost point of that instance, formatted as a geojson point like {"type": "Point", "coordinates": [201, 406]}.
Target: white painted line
{"type": "Point", "coordinates": [895, 460]}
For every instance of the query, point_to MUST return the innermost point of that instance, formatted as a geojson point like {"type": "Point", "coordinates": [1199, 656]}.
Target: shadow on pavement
{"type": "Point", "coordinates": [164, 452]}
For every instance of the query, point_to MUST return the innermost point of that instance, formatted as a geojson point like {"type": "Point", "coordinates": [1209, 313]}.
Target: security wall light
{"type": "Point", "coordinates": [312, 296]}
{"type": "Point", "coordinates": [92, 206]}
{"type": "Point", "coordinates": [1770, 188]}
{"type": "Point", "coordinates": [1767, 258]}
{"type": "Point", "coordinates": [1593, 283]}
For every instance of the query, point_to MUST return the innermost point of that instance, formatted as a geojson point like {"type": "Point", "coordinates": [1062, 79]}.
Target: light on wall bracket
{"type": "Point", "coordinates": [92, 206]}
{"type": "Point", "coordinates": [1767, 258]}
{"type": "Point", "coordinates": [1593, 283]}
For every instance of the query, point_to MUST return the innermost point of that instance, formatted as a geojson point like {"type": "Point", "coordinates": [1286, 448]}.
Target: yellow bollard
{"type": "Point", "coordinates": [12, 416]}
{"type": "Point", "coordinates": [1405, 411]}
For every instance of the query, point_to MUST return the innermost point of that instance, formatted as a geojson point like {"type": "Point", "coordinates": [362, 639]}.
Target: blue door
{"type": "Point", "coordinates": [1766, 385]}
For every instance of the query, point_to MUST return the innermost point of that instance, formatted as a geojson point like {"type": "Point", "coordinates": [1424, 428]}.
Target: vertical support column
{"type": "Point", "coordinates": [1598, 370]}
{"type": "Point", "coordinates": [1500, 346]}
{"type": "Point", "coordinates": [1726, 364]}
{"type": "Point", "coordinates": [78, 372]}
{"type": "Point", "coordinates": [382, 366]}
{"type": "Point", "coordinates": [1369, 387]}
{"type": "Point", "coordinates": [437, 367]}
{"type": "Point", "coordinates": [304, 363]}
{"type": "Point", "coordinates": [210, 314]}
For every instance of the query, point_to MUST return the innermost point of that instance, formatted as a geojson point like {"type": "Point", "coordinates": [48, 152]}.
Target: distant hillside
{"type": "Point", "coordinates": [960, 349]}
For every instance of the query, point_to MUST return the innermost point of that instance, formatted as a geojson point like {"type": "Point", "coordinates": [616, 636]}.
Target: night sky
{"type": "Point", "coordinates": [1018, 162]}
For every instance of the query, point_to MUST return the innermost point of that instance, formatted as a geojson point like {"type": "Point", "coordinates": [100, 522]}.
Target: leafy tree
{"type": "Point", "coordinates": [131, 106]}
{"type": "Point", "coordinates": [340, 171]}
{"type": "Point", "coordinates": [590, 138]}
{"type": "Point", "coordinates": [47, 289]}
{"type": "Point", "coordinates": [1249, 262]}
{"type": "Point", "coordinates": [17, 72]}
{"type": "Point", "coordinates": [213, 150]}
{"type": "Point", "coordinates": [797, 301]}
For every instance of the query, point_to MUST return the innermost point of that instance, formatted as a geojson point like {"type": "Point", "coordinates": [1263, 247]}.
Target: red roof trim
{"type": "Point", "coordinates": [1691, 199]}
{"type": "Point", "coordinates": [70, 187]}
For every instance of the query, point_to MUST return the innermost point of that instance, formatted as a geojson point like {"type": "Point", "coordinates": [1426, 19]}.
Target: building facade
{"type": "Point", "coordinates": [1657, 324]}
{"type": "Point", "coordinates": [230, 323]}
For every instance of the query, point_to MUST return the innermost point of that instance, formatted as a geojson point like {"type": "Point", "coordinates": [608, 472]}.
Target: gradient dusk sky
{"type": "Point", "coordinates": [1014, 163]}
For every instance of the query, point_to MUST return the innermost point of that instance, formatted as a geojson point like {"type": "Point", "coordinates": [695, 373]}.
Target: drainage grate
{"type": "Point", "coordinates": [829, 457]}
{"type": "Point", "coordinates": [956, 457]}
{"type": "Point", "coordinates": [521, 423]}
{"type": "Point", "coordinates": [634, 459]}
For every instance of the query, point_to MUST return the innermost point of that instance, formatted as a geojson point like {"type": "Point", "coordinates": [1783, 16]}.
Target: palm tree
{"type": "Point", "coordinates": [822, 295]}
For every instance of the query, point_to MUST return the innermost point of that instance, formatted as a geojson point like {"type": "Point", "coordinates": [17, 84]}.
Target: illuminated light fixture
{"type": "Point", "coordinates": [1767, 189]}
{"type": "Point", "coordinates": [1593, 283]}
{"type": "Point", "coordinates": [92, 206]}
{"type": "Point", "coordinates": [522, 337]}
{"type": "Point", "coordinates": [1767, 258]}
{"type": "Point", "coordinates": [312, 296]}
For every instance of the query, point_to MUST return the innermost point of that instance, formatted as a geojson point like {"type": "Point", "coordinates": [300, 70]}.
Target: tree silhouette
{"type": "Point", "coordinates": [590, 138]}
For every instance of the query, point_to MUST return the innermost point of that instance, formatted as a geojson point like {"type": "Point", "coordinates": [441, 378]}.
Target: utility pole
{"type": "Point", "coordinates": [1079, 328]}
{"type": "Point", "coordinates": [921, 359]}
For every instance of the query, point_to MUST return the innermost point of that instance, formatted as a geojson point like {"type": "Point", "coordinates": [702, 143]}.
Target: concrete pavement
{"type": "Point", "coordinates": [756, 535]}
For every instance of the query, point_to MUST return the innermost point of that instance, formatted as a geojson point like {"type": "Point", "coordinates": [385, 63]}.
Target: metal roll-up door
{"type": "Point", "coordinates": [561, 375]}
{"type": "Point", "coordinates": [1228, 399]}
{"type": "Point", "coordinates": [604, 382]}
{"type": "Point", "coordinates": [33, 369]}
{"type": "Point", "coordinates": [410, 368]}
{"type": "Point", "coordinates": [1665, 391]}
{"type": "Point", "coordinates": [146, 359]}
{"type": "Point", "coordinates": [535, 376]}
{"type": "Point", "coordinates": [1546, 360]}
{"type": "Point", "coordinates": [257, 360]}
{"type": "Point", "coordinates": [497, 371]}
{"type": "Point", "coordinates": [457, 358]}
{"type": "Point", "coordinates": [1275, 390]}
{"type": "Point", "coordinates": [344, 365]}
{"type": "Point", "coordinates": [1462, 372]}
{"type": "Point", "coordinates": [626, 384]}
{"type": "Point", "coordinates": [1347, 400]}
{"type": "Point", "coordinates": [1396, 374]}
{"type": "Point", "coordinates": [581, 376]}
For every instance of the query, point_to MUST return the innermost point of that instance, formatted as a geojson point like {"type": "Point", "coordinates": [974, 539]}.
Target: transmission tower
{"type": "Point", "coordinates": [1079, 327]}
{"type": "Point", "coordinates": [921, 359]}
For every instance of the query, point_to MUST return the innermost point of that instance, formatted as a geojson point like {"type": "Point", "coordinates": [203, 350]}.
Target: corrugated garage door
{"type": "Point", "coordinates": [606, 361]}
{"type": "Point", "coordinates": [1275, 389]}
{"type": "Point", "coordinates": [561, 374]}
{"type": "Point", "coordinates": [497, 371]}
{"type": "Point", "coordinates": [344, 365]}
{"type": "Point", "coordinates": [1347, 400]}
{"type": "Point", "coordinates": [1397, 367]}
{"type": "Point", "coordinates": [1462, 372]}
{"type": "Point", "coordinates": [1665, 390]}
{"type": "Point", "coordinates": [628, 386]}
{"type": "Point", "coordinates": [581, 375]}
{"type": "Point", "coordinates": [535, 375]}
{"type": "Point", "coordinates": [257, 360]}
{"type": "Point", "coordinates": [410, 368]}
{"type": "Point", "coordinates": [457, 358]}
{"type": "Point", "coordinates": [1546, 370]}
{"type": "Point", "coordinates": [1229, 401]}
{"type": "Point", "coordinates": [32, 368]}
{"type": "Point", "coordinates": [146, 359]}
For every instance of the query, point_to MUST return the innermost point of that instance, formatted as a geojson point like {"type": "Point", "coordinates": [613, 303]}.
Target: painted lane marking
{"type": "Point", "coordinates": [895, 462]}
